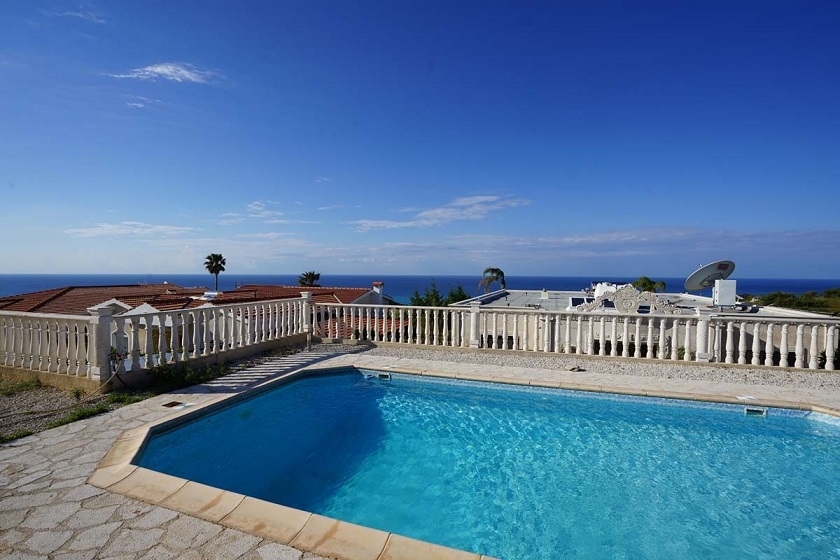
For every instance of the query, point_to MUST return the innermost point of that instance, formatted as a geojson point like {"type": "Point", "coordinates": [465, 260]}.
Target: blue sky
{"type": "Point", "coordinates": [544, 138]}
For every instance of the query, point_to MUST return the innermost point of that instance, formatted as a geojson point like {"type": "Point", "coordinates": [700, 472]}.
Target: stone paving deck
{"type": "Point", "coordinates": [49, 510]}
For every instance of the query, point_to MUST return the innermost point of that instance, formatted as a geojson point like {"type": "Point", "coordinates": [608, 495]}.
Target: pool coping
{"type": "Point", "coordinates": [315, 533]}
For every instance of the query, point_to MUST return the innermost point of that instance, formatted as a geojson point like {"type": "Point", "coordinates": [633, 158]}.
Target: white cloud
{"type": "Point", "coordinates": [466, 208]}
{"type": "Point", "coordinates": [174, 71]}
{"type": "Point", "coordinates": [128, 228]}
{"type": "Point", "coordinates": [322, 179]}
{"type": "Point", "coordinates": [139, 102]}
{"type": "Point", "coordinates": [86, 15]}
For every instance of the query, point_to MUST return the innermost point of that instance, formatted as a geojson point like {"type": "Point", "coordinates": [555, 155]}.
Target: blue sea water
{"type": "Point", "coordinates": [530, 473]}
{"type": "Point", "coordinates": [398, 287]}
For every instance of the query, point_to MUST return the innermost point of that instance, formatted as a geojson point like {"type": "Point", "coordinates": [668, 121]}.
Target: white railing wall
{"type": "Point", "coordinates": [759, 341]}
{"type": "Point", "coordinates": [97, 345]}
{"type": "Point", "coordinates": [86, 345]}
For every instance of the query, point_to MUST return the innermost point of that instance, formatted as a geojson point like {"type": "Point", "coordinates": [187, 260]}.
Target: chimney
{"type": "Point", "coordinates": [378, 290]}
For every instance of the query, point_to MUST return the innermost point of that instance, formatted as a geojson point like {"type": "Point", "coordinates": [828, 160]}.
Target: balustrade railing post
{"type": "Point", "coordinates": [306, 319]}
{"type": "Point", "coordinates": [830, 351]}
{"type": "Point", "coordinates": [99, 362]}
{"type": "Point", "coordinates": [783, 346]}
{"type": "Point", "coordinates": [769, 345]}
{"type": "Point", "coordinates": [813, 349]}
{"type": "Point", "coordinates": [800, 346]}
{"type": "Point", "coordinates": [475, 312]}
{"type": "Point", "coordinates": [756, 344]}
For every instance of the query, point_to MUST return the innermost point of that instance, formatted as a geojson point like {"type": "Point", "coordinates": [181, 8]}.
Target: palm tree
{"type": "Point", "coordinates": [491, 275]}
{"type": "Point", "coordinates": [309, 279]}
{"type": "Point", "coordinates": [215, 263]}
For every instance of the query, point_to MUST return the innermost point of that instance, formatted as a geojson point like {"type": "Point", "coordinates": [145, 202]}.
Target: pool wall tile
{"type": "Point", "coordinates": [404, 548]}
{"type": "Point", "coordinates": [267, 520]}
{"type": "Point", "coordinates": [105, 477]}
{"type": "Point", "coordinates": [149, 486]}
{"type": "Point", "coordinates": [203, 501]}
{"type": "Point", "coordinates": [340, 539]}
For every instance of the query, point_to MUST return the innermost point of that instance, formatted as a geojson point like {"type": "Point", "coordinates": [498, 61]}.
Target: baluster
{"type": "Point", "coordinates": [769, 345]}
{"type": "Point", "coordinates": [637, 338]}
{"type": "Point", "coordinates": [625, 337]}
{"type": "Point", "coordinates": [493, 331]}
{"type": "Point", "coordinates": [783, 346]}
{"type": "Point", "coordinates": [516, 331]}
{"type": "Point", "coordinates": [662, 336]}
{"type": "Point", "coordinates": [649, 354]}
{"type": "Point", "coordinates": [536, 342]}
{"type": "Point", "coordinates": [742, 343]}
{"type": "Point", "coordinates": [756, 345]}
{"type": "Point", "coordinates": [613, 336]}
{"type": "Point", "coordinates": [427, 327]}
{"type": "Point", "coordinates": [716, 336]}
{"type": "Point", "coordinates": [829, 347]}
{"type": "Point", "coordinates": [813, 350]}
{"type": "Point", "coordinates": [602, 336]}
{"type": "Point", "coordinates": [730, 342]}
{"type": "Point", "coordinates": [558, 326]}
{"type": "Point", "coordinates": [800, 346]}
{"type": "Point", "coordinates": [675, 336]}
{"type": "Point", "coordinates": [687, 341]}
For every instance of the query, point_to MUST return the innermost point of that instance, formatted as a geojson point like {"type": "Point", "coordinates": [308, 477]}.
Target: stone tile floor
{"type": "Point", "coordinates": [47, 509]}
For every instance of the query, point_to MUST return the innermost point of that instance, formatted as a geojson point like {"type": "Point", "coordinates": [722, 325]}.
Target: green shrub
{"type": "Point", "coordinates": [4, 438]}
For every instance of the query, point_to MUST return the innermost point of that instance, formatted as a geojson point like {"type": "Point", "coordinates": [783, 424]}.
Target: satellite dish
{"type": "Point", "coordinates": [705, 276]}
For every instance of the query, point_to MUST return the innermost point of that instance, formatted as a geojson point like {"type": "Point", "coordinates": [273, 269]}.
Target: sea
{"type": "Point", "coordinates": [400, 288]}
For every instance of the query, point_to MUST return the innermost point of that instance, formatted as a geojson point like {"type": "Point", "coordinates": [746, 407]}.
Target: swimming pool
{"type": "Point", "coordinates": [518, 472]}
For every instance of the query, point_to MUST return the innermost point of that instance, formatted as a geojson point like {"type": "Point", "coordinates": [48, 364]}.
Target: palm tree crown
{"type": "Point", "coordinates": [215, 263]}
{"type": "Point", "coordinates": [309, 279]}
{"type": "Point", "coordinates": [492, 274]}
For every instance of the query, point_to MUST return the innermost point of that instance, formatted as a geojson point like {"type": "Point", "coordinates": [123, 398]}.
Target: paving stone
{"type": "Point", "coordinates": [77, 555]}
{"type": "Point", "coordinates": [12, 536]}
{"type": "Point", "coordinates": [13, 518]}
{"type": "Point", "coordinates": [89, 517]}
{"type": "Point", "coordinates": [45, 542]}
{"type": "Point", "coordinates": [229, 544]}
{"type": "Point", "coordinates": [160, 552]}
{"type": "Point", "coordinates": [93, 538]}
{"type": "Point", "coordinates": [105, 499]}
{"type": "Point", "coordinates": [28, 479]}
{"type": "Point", "coordinates": [51, 516]}
{"type": "Point", "coordinates": [156, 517]}
{"type": "Point", "coordinates": [132, 509]}
{"type": "Point", "coordinates": [35, 486]}
{"type": "Point", "coordinates": [186, 533]}
{"type": "Point", "coordinates": [275, 551]}
{"type": "Point", "coordinates": [20, 555]}
{"type": "Point", "coordinates": [132, 541]}
{"type": "Point", "coordinates": [27, 501]}
{"type": "Point", "coordinates": [73, 471]}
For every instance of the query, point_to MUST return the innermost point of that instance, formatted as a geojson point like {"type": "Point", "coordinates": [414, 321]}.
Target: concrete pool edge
{"type": "Point", "coordinates": [311, 532]}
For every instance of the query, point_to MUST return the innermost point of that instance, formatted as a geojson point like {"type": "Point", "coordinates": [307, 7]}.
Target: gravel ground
{"type": "Point", "coordinates": [777, 377]}
{"type": "Point", "coordinates": [32, 410]}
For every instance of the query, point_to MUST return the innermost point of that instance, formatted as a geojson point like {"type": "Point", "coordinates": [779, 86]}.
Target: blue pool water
{"type": "Point", "coordinates": [523, 473]}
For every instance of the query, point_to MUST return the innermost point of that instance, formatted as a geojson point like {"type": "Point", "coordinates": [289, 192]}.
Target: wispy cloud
{"type": "Point", "coordinates": [128, 228]}
{"type": "Point", "coordinates": [322, 179]}
{"type": "Point", "coordinates": [466, 208]}
{"type": "Point", "coordinates": [86, 15]}
{"type": "Point", "coordinates": [173, 71]}
{"type": "Point", "coordinates": [330, 207]}
{"type": "Point", "coordinates": [258, 210]}
{"type": "Point", "coordinates": [139, 102]}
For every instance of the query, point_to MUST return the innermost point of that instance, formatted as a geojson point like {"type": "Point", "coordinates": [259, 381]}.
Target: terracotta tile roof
{"type": "Point", "coordinates": [75, 300]}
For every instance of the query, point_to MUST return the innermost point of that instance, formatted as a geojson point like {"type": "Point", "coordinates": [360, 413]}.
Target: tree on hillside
{"type": "Point", "coordinates": [645, 284]}
{"type": "Point", "coordinates": [492, 275]}
{"type": "Point", "coordinates": [215, 263]}
{"type": "Point", "coordinates": [433, 298]}
{"type": "Point", "coordinates": [309, 279]}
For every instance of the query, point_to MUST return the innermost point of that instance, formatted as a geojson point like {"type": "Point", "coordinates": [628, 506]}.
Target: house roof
{"type": "Point", "coordinates": [75, 300]}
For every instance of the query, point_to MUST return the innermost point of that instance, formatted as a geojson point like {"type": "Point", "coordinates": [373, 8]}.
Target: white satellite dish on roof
{"type": "Point", "coordinates": [705, 276]}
